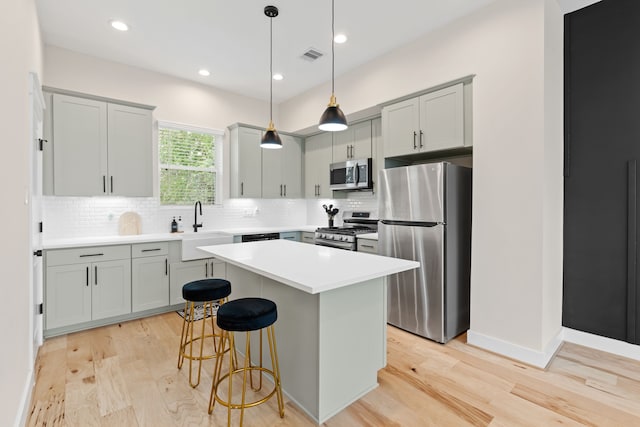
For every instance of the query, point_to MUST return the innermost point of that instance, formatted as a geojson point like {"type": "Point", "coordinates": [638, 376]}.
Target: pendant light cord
{"type": "Point", "coordinates": [271, 70]}
{"type": "Point", "coordinates": [333, 53]}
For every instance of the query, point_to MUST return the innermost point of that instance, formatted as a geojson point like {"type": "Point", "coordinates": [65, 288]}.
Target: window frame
{"type": "Point", "coordinates": [217, 167]}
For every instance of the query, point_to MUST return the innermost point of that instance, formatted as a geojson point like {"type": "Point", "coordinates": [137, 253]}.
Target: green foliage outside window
{"type": "Point", "coordinates": [187, 167]}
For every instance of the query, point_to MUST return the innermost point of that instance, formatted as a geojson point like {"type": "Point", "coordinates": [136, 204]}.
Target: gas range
{"type": "Point", "coordinates": [345, 237]}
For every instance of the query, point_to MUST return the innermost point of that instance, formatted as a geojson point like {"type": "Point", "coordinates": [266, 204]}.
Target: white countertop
{"type": "Point", "coordinates": [76, 242]}
{"type": "Point", "coordinates": [309, 268]}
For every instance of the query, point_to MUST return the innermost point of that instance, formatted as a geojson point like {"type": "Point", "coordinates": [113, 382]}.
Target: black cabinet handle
{"type": "Point", "coordinates": [87, 255]}
{"type": "Point", "coordinates": [206, 269]}
{"type": "Point", "coordinates": [166, 267]}
{"type": "Point", "coordinates": [151, 250]}
{"type": "Point", "coordinates": [242, 188]}
{"type": "Point", "coordinates": [112, 183]}
{"type": "Point", "coordinates": [367, 246]}
{"type": "Point", "coordinates": [414, 140]}
{"type": "Point", "coordinates": [285, 190]}
{"type": "Point", "coordinates": [104, 184]}
{"type": "Point", "coordinates": [421, 133]}
{"type": "Point", "coordinates": [632, 249]}
{"type": "Point", "coordinates": [280, 190]}
{"type": "Point", "coordinates": [95, 277]}
{"type": "Point", "coordinates": [87, 276]}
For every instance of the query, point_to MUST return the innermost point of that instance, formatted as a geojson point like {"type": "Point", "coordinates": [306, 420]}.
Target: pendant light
{"type": "Point", "coordinates": [271, 139]}
{"type": "Point", "coordinates": [333, 118]}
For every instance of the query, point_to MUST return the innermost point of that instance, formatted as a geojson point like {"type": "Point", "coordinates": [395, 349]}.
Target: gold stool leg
{"type": "Point", "coordinates": [273, 350]}
{"type": "Point", "coordinates": [183, 336]}
{"type": "Point", "coordinates": [217, 370]}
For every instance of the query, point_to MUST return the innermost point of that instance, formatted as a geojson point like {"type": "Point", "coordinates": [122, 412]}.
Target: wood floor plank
{"type": "Point", "coordinates": [126, 375]}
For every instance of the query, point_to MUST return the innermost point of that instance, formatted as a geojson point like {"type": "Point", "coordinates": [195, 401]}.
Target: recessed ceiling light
{"type": "Point", "coordinates": [204, 72]}
{"type": "Point", "coordinates": [278, 76]}
{"type": "Point", "coordinates": [340, 38]}
{"type": "Point", "coordinates": [119, 25]}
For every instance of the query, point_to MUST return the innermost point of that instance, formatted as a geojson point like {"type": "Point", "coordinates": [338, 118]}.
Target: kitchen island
{"type": "Point", "coordinates": [331, 328]}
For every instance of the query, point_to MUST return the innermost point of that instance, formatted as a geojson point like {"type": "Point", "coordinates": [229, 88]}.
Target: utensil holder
{"type": "Point", "coordinates": [330, 222]}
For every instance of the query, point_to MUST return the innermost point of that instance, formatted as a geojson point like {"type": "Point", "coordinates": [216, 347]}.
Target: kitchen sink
{"type": "Point", "coordinates": [191, 241]}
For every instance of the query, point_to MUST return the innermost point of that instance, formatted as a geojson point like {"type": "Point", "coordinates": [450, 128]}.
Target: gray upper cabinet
{"type": "Point", "coordinates": [282, 170]}
{"type": "Point", "coordinates": [435, 121]}
{"type": "Point", "coordinates": [246, 162]}
{"type": "Point", "coordinates": [130, 153]}
{"type": "Point", "coordinates": [353, 143]}
{"type": "Point", "coordinates": [97, 148]}
{"type": "Point", "coordinates": [316, 165]}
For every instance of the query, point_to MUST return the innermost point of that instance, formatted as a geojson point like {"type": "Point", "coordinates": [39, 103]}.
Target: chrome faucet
{"type": "Point", "coordinates": [195, 220]}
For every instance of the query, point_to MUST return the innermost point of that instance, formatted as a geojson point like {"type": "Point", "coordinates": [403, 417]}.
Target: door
{"type": "Point", "coordinates": [183, 273]}
{"type": "Point", "coordinates": [149, 283]}
{"type": "Point", "coordinates": [415, 297]}
{"type": "Point", "coordinates": [602, 151]}
{"type": "Point", "coordinates": [400, 124]}
{"type": "Point", "coordinates": [80, 146]}
{"type": "Point", "coordinates": [111, 288]}
{"type": "Point", "coordinates": [129, 154]}
{"type": "Point", "coordinates": [316, 165]}
{"type": "Point", "coordinates": [412, 193]}
{"type": "Point", "coordinates": [37, 103]}
{"type": "Point", "coordinates": [68, 295]}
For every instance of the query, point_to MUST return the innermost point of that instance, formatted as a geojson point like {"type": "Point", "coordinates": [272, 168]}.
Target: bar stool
{"type": "Point", "coordinates": [246, 315]}
{"type": "Point", "coordinates": [207, 292]}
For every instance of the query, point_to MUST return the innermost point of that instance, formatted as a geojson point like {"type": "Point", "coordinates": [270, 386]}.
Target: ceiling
{"type": "Point", "coordinates": [231, 38]}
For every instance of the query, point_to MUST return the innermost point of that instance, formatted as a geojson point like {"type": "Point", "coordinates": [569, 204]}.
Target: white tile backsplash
{"type": "Point", "coordinates": [70, 217]}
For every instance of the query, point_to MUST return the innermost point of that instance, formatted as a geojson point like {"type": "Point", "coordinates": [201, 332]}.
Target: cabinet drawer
{"type": "Point", "coordinates": [142, 250]}
{"type": "Point", "coordinates": [308, 237]}
{"type": "Point", "coordinates": [86, 255]}
{"type": "Point", "coordinates": [369, 246]}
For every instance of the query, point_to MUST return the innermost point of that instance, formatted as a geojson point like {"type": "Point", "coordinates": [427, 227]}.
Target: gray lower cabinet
{"type": "Point", "coordinates": [87, 284]}
{"type": "Point", "coordinates": [308, 237]}
{"type": "Point", "coordinates": [188, 271]}
{"type": "Point", "coordinates": [294, 236]}
{"type": "Point", "coordinates": [149, 276]}
{"type": "Point", "coordinates": [367, 245]}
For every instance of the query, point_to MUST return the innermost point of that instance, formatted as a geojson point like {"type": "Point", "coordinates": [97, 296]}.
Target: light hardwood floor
{"type": "Point", "coordinates": [126, 375]}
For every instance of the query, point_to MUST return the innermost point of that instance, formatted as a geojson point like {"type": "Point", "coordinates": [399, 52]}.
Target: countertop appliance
{"type": "Point", "coordinates": [260, 236]}
{"type": "Point", "coordinates": [352, 175]}
{"type": "Point", "coordinates": [345, 237]}
{"type": "Point", "coordinates": [425, 216]}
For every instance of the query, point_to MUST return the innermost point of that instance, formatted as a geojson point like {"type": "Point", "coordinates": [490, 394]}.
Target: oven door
{"type": "Point", "coordinates": [350, 246]}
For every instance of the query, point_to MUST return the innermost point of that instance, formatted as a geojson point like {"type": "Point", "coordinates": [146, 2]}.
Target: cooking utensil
{"type": "Point", "coordinates": [334, 212]}
{"type": "Point", "coordinates": [326, 209]}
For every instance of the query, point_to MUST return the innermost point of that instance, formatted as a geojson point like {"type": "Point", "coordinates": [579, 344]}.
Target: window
{"type": "Point", "coordinates": [189, 168]}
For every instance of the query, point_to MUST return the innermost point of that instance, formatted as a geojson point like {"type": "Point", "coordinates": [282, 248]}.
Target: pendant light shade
{"type": "Point", "coordinates": [333, 118]}
{"type": "Point", "coordinates": [271, 139]}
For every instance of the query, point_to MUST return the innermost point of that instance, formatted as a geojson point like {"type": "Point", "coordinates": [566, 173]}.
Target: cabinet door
{"type": "Point", "coordinates": [129, 154]}
{"type": "Point", "coordinates": [316, 164]}
{"type": "Point", "coordinates": [361, 145]}
{"type": "Point", "coordinates": [149, 283]}
{"type": "Point", "coordinates": [308, 237]}
{"type": "Point", "coordinates": [246, 169]}
{"type": "Point", "coordinates": [183, 273]}
{"type": "Point", "coordinates": [79, 146]}
{"type": "Point", "coordinates": [272, 164]}
{"type": "Point", "coordinates": [111, 288]}
{"type": "Point", "coordinates": [67, 295]}
{"type": "Point", "coordinates": [353, 143]}
{"type": "Point", "coordinates": [442, 119]}
{"type": "Point", "coordinates": [292, 167]}
{"type": "Point", "coordinates": [400, 127]}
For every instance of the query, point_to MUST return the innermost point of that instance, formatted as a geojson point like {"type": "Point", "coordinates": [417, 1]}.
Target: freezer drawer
{"type": "Point", "coordinates": [415, 298]}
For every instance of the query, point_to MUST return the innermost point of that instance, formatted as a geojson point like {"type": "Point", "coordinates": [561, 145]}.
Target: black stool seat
{"type": "Point", "coordinates": [247, 314]}
{"type": "Point", "coordinates": [206, 290]}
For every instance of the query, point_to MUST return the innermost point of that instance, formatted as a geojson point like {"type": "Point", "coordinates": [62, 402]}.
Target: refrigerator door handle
{"type": "Point", "coordinates": [411, 223]}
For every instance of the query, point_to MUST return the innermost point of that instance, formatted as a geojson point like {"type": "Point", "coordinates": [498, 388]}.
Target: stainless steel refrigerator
{"type": "Point", "coordinates": [425, 216]}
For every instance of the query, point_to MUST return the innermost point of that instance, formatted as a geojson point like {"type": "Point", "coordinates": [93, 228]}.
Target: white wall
{"type": "Point", "coordinates": [20, 49]}
{"type": "Point", "coordinates": [517, 114]}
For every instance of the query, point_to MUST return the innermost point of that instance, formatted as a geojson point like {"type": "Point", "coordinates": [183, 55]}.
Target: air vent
{"type": "Point", "coordinates": [312, 54]}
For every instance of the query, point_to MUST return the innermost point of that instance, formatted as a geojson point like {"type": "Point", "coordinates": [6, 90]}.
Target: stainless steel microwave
{"type": "Point", "coordinates": [352, 175]}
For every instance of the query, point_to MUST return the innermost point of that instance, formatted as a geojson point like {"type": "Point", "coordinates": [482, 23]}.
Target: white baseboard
{"type": "Point", "coordinates": [539, 359]}
{"type": "Point", "coordinates": [597, 342]}
{"type": "Point", "coordinates": [25, 400]}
